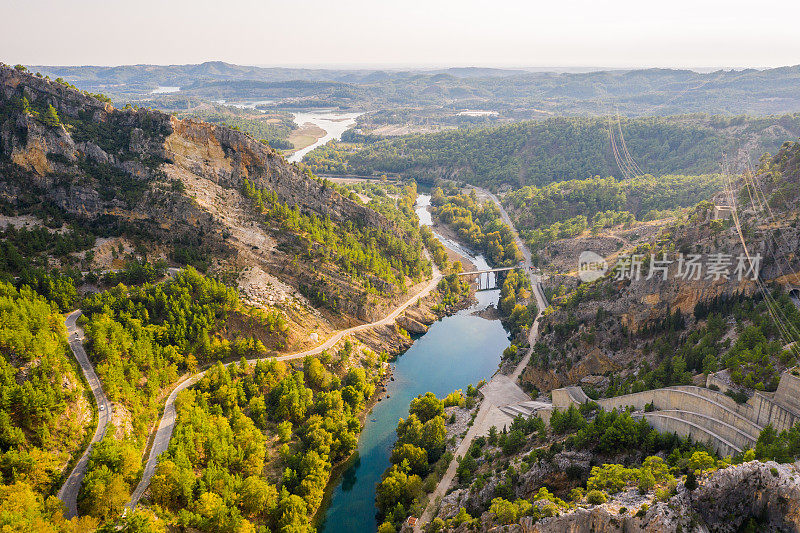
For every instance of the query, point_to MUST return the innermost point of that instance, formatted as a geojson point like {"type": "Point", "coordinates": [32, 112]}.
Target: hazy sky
{"type": "Point", "coordinates": [680, 33]}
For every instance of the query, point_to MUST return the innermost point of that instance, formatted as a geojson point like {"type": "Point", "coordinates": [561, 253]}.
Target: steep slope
{"type": "Point", "coordinates": [45, 410]}
{"type": "Point", "coordinates": [634, 329]}
{"type": "Point", "coordinates": [150, 186]}
{"type": "Point", "coordinates": [176, 189]}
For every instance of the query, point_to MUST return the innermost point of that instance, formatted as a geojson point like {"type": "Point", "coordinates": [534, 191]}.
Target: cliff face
{"type": "Point", "coordinates": [725, 502]}
{"type": "Point", "coordinates": [167, 182]}
{"type": "Point", "coordinates": [612, 325]}
{"type": "Point", "coordinates": [226, 157]}
{"type": "Point", "coordinates": [765, 492]}
{"type": "Point", "coordinates": [141, 144]}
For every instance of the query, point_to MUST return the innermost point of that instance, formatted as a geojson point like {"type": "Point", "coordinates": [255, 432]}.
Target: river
{"type": "Point", "coordinates": [334, 125]}
{"type": "Point", "coordinates": [456, 351]}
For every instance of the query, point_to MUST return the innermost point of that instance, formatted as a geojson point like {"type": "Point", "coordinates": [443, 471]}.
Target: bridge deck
{"type": "Point", "coordinates": [502, 269]}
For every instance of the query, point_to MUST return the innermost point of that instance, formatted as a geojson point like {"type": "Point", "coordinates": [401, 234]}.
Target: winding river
{"type": "Point", "coordinates": [456, 351]}
{"type": "Point", "coordinates": [334, 125]}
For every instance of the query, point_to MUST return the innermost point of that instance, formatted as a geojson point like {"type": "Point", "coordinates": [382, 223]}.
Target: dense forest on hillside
{"type": "Point", "coordinates": [257, 444]}
{"type": "Point", "coordinates": [556, 149]}
{"type": "Point", "coordinates": [140, 341]}
{"type": "Point", "coordinates": [567, 208]}
{"type": "Point", "coordinates": [779, 176]}
{"type": "Point", "coordinates": [395, 201]}
{"type": "Point", "coordinates": [45, 409]}
{"type": "Point", "coordinates": [381, 261]}
{"type": "Point", "coordinates": [477, 224]}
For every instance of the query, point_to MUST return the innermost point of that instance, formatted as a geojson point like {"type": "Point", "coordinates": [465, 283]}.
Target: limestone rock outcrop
{"type": "Point", "coordinates": [727, 500]}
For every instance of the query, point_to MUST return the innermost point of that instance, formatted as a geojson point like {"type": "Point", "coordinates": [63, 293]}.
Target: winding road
{"type": "Point", "coordinates": [168, 419]}
{"type": "Point", "coordinates": [501, 390]}
{"type": "Point", "coordinates": [69, 490]}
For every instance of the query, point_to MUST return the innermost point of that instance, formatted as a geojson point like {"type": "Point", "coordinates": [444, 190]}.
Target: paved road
{"type": "Point", "coordinates": [69, 490]}
{"type": "Point", "coordinates": [541, 301]}
{"type": "Point", "coordinates": [501, 390]}
{"type": "Point", "coordinates": [168, 419]}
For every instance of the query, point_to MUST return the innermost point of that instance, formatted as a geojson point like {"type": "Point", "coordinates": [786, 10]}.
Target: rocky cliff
{"type": "Point", "coordinates": [137, 144]}
{"type": "Point", "coordinates": [764, 496]}
{"type": "Point", "coordinates": [613, 324]}
{"type": "Point", "coordinates": [169, 184]}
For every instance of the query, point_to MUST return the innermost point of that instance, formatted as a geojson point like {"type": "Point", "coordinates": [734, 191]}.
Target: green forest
{"type": "Point", "coordinates": [381, 261]}
{"type": "Point", "coordinates": [141, 339]}
{"type": "Point", "coordinates": [755, 359]}
{"type": "Point", "coordinates": [418, 457]}
{"type": "Point", "coordinates": [517, 304]}
{"type": "Point", "coordinates": [35, 421]}
{"type": "Point", "coordinates": [568, 208]}
{"type": "Point", "coordinates": [45, 411]}
{"type": "Point", "coordinates": [479, 225]}
{"type": "Point", "coordinates": [555, 149]}
{"type": "Point", "coordinates": [254, 446]}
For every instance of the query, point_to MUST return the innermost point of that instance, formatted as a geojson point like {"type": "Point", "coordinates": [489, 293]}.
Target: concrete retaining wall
{"type": "Point", "coordinates": [766, 411]}
{"type": "Point", "coordinates": [788, 393]}
{"type": "Point", "coordinates": [562, 399]}
{"type": "Point", "coordinates": [671, 424]}
{"type": "Point", "coordinates": [704, 414]}
{"type": "Point", "coordinates": [716, 427]}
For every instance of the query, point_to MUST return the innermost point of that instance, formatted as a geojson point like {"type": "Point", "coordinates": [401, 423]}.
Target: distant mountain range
{"type": "Point", "coordinates": [515, 93]}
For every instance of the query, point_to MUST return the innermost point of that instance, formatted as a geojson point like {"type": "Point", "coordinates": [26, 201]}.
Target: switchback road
{"type": "Point", "coordinates": [69, 490]}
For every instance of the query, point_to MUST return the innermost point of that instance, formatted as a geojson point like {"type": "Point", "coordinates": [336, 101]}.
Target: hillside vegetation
{"type": "Point", "coordinates": [478, 224]}
{"type": "Point", "coordinates": [672, 329]}
{"type": "Point", "coordinates": [557, 149]}
{"type": "Point", "coordinates": [45, 412]}
{"type": "Point", "coordinates": [79, 172]}
{"type": "Point", "coordinates": [568, 208]}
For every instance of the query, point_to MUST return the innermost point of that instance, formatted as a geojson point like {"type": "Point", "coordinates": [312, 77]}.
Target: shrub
{"type": "Point", "coordinates": [386, 527]}
{"type": "Point", "coordinates": [612, 478]}
{"type": "Point", "coordinates": [701, 461]}
{"type": "Point", "coordinates": [691, 481]}
{"type": "Point", "coordinates": [576, 494]}
{"type": "Point", "coordinates": [596, 497]}
{"type": "Point", "coordinates": [646, 480]}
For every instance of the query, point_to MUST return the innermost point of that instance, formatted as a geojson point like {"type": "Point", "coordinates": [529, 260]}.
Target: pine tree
{"type": "Point", "coordinates": [50, 117]}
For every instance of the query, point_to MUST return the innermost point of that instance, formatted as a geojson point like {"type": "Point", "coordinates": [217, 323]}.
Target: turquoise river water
{"type": "Point", "coordinates": [456, 351]}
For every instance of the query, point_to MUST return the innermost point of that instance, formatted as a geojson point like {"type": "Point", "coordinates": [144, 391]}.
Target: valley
{"type": "Point", "coordinates": [265, 299]}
